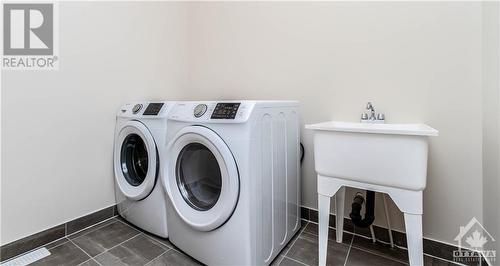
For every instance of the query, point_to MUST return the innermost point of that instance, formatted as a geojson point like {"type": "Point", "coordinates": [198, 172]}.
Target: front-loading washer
{"type": "Point", "coordinates": [140, 137]}
{"type": "Point", "coordinates": [232, 178]}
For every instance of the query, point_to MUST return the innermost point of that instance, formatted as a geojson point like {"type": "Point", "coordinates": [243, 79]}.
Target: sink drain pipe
{"type": "Point", "coordinates": [369, 210]}
{"type": "Point", "coordinates": [369, 213]}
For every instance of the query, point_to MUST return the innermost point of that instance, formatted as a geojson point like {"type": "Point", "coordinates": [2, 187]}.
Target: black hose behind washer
{"type": "Point", "coordinates": [369, 211]}
{"type": "Point", "coordinates": [302, 152]}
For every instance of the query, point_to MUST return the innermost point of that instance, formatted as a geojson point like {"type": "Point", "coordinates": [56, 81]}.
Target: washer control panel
{"type": "Point", "coordinates": [225, 111]}
{"type": "Point", "coordinates": [145, 109]}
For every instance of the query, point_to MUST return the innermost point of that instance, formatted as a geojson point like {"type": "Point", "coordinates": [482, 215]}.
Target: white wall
{"type": "Point", "coordinates": [418, 62]}
{"type": "Point", "coordinates": [491, 122]}
{"type": "Point", "coordinates": [58, 126]}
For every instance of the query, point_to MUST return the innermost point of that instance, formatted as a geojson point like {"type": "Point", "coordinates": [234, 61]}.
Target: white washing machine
{"type": "Point", "coordinates": [232, 178]}
{"type": "Point", "coordinates": [140, 136]}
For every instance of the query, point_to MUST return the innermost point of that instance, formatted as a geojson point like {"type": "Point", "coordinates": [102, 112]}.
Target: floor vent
{"type": "Point", "coordinates": [28, 258]}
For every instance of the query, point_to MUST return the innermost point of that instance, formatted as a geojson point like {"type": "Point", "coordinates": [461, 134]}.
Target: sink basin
{"type": "Point", "coordinates": [393, 155]}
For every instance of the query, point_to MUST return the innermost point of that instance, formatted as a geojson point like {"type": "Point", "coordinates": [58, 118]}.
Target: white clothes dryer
{"type": "Point", "coordinates": [232, 178]}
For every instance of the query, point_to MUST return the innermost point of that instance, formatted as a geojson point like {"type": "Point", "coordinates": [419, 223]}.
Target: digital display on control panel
{"type": "Point", "coordinates": [225, 111]}
{"type": "Point", "coordinates": [153, 109]}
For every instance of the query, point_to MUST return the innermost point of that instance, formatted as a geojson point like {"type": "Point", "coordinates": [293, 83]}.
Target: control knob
{"type": "Point", "coordinates": [136, 108]}
{"type": "Point", "coordinates": [200, 110]}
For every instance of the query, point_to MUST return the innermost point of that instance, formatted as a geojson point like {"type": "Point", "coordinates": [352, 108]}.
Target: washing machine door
{"type": "Point", "coordinates": [135, 160]}
{"type": "Point", "coordinates": [203, 179]}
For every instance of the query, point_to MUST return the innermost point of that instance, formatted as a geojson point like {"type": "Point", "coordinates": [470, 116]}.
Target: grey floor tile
{"type": "Point", "coordinates": [105, 238]}
{"type": "Point", "coordinates": [305, 250]}
{"type": "Point", "coordinates": [289, 262]}
{"type": "Point", "coordinates": [277, 260]}
{"type": "Point", "coordinates": [136, 251]}
{"type": "Point", "coordinates": [290, 243]}
{"type": "Point", "coordinates": [430, 261]}
{"type": "Point", "coordinates": [174, 258]}
{"type": "Point", "coordinates": [359, 257]}
{"type": "Point", "coordinates": [56, 243]}
{"type": "Point", "coordinates": [65, 254]}
{"type": "Point", "coordinates": [162, 240]}
{"type": "Point", "coordinates": [90, 262]}
{"type": "Point", "coordinates": [312, 228]}
{"type": "Point", "coordinates": [444, 251]}
{"type": "Point", "coordinates": [381, 249]}
{"type": "Point", "coordinates": [287, 247]}
{"type": "Point", "coordinates": [383, 234]}
{"type": "Point", "coordinates": [399, 238]}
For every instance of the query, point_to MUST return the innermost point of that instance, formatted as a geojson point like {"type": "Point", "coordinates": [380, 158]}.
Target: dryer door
{"type": "Point", "coordinates": [203, 180]}
{"type": "Point", "coordinates": [135, 160]}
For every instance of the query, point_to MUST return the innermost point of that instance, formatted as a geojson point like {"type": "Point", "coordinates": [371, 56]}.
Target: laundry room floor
{"type": "Point", "coordinates": [115, 242]}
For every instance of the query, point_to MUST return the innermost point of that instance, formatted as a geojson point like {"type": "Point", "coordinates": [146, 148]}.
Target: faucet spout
{"type": "Point", "coordinates": [371, 110]}
{"type": "Point", "coordinates": [369, 106]}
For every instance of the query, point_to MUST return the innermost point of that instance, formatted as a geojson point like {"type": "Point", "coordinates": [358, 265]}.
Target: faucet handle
{"type": "Point", "coordinates": [381, 117]}
{"type": "Point", "coordinates": [364, 116]}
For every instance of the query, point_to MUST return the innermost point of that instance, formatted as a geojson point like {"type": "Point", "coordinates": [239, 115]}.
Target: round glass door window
{"type": "Point", "coordinates": [134, 159]}
{"type": "Point", "coordinates": [198, 176]}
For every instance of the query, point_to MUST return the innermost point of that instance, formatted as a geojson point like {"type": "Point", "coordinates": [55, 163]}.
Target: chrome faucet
{"type": "Point", "coordinates": [372, 116]}
{"type": "Point", "coordinates": [371, 110]}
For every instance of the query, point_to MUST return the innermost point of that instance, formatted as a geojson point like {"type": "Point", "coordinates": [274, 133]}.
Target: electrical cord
{"type": "Point", "coordinates": [302, 152]}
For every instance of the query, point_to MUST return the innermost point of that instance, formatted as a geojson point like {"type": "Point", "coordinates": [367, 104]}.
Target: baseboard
{"type": "Point", "coordinates": [431, 247]}
{"type": "Point", "coordinates": [22, 245]}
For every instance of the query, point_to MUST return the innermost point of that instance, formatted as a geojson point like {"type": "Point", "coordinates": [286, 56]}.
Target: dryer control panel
{"type": "Point", "coordinates": [225, 111]}
{"type": "Point", "coordinates": [212, 112]}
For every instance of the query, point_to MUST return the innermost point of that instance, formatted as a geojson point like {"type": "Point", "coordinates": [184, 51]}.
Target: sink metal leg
{"type": "Point", "coordinates": [372, 233]}
{"type": "Point", "coordinates": [387, 218]}
{"type": "Point", "coordinates": [339, 216]}
{"type": "Point", "coordinates": [413, 224]}
{"type": "Point", "coordinates": [324, 216]}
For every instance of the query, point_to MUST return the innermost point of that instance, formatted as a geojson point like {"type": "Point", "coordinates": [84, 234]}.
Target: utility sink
{"type": "Point", "coordinates": [393, 155]}
{"type": "Point", "coordinates": [372, 155]}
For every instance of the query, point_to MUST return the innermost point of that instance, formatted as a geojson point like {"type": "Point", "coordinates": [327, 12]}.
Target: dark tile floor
{"type": "Point", "coordinates": [115, 242]}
